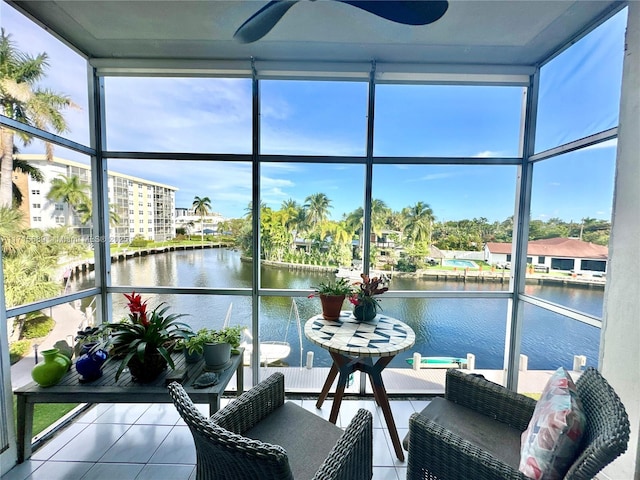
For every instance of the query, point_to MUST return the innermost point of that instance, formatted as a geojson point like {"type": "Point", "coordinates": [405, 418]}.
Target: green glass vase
{"type": "Point", "coordinates": [51, 371]}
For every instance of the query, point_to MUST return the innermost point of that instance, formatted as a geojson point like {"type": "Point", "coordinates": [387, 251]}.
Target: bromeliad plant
{"type": "Point", "coordinates": [143, 333]}
{"type": "Point", "coordinates": [366, 289]}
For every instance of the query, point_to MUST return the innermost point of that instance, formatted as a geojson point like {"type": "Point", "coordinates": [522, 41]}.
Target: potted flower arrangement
{"type": "Point", "coordinates": [193, 346]}
{"type": "Point", "coordinates": [144, 341]}
{"type": "Point", "coordinates": [218, 344]}
{"type": "Point", "coordinates": [332, 295]}
{"type": "Point", "coordinates": [366, 306]}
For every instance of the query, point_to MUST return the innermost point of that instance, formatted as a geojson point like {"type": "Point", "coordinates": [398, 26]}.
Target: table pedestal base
{"type": "Point", "coordinates": [345, 366]}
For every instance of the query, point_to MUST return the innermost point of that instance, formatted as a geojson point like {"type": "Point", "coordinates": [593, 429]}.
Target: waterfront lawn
{"type": "Point", "coordinates": [45, 414]}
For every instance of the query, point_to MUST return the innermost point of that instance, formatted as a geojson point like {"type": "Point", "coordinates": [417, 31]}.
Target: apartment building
{"type": "Point", "coordinates": [142, 207]}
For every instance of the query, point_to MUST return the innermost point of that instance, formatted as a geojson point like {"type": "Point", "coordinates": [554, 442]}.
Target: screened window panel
{"type": "Point", "coordinates": [580, 88]}
{"type": "Point", "coordinates": [571, 201]}
{"type": "Point", "coordinates": [65, 75]}
{"type": "Point", "coordinates": [313, 118]}
{"type": "Point", "coordinates": [311, 215]}
{"type": "Point", "coordinates": [51, 234]}
{"type": "Point", "coordinates": [551, 340]}
{"type": "Point", "coordinates": [448, 121]}
{"type": "Point", "coordinates": [205, 115]}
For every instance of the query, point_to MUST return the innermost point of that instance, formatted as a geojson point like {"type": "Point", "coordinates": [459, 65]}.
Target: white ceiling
{"type": "Point", "coordinates": [504, 32]}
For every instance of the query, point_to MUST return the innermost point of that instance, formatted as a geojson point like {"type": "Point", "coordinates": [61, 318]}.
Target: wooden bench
{"type": "Point", "coordinates": [105, 390]}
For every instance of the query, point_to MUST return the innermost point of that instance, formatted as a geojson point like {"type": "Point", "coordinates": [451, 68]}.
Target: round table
{"type": "Point", "coordinates": [360, 346]}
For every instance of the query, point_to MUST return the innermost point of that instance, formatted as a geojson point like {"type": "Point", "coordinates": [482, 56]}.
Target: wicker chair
{"type": "Point", "coordinates": [259, 436]}
{"type": "Point", "coordinates": [482, 440]}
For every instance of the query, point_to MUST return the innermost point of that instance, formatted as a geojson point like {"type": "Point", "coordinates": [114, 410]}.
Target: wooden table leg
{"type": "Point", "coordinates": [240, 379]}
{"type": "Point", "coordinates": [25, 428]}
{"type": "Point", "coordinates": [337, 398]}
{"type": "Point", "coordinates": [333, 373]}
{"type": "Point", "coordinates": [380, 393]}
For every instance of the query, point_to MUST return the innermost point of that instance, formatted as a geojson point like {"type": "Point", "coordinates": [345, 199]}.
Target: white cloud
{"type": "Point", "coordinates": [487, 154]}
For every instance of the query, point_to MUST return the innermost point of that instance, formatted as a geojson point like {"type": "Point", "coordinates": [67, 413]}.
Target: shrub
{"type": "Point", "coordinates": [18, 350]}
{"type": "Point", "coordinates": [139, 241]}
{"type": "Point", "coordinates": [37, 326]}
{"type": "Point", "coordinates": [405, 265]}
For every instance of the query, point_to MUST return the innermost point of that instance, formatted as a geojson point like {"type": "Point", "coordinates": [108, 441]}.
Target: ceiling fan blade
{"type": "Point", "coordinates": [261, 22]}
{"type": "Point", "coordinates": [408, 12]}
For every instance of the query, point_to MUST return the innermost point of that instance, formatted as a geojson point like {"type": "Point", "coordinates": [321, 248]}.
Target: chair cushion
{"type": "Point", "coordinates": [494, 437]}
{"type": "Point", "coordinates": [551, 441]}
{"type": "Point", "coordinates": [306, 437]}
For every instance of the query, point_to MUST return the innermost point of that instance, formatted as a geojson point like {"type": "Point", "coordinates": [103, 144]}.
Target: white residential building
{"type": "Point", "coordinates": [144, 207]}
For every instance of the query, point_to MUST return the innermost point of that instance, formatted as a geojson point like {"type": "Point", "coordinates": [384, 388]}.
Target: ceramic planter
{"type": "Point", "coordinates": [216, 355]}
{"type": "Point", "coordinates": [331, 306]}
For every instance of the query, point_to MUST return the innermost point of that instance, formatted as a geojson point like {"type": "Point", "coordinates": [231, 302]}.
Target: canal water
{"type": "Point", "coordinates": [443, 326]}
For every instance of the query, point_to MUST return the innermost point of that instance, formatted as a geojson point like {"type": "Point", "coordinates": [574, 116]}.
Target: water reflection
{"type": "Point", "coordinates": [444, 327]}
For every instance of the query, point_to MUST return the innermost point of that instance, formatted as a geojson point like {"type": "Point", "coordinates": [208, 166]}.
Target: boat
{"type": "Point", "coordinates": [440, 362]}
{"type": "Point", "coordinates": [272, 351]}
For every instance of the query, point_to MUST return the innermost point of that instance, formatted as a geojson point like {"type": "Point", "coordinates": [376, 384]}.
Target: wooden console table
{"type": "Point", "coordinates": [106, 390]}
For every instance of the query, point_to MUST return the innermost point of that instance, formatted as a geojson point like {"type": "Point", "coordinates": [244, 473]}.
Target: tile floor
{"type": "Point", "coordinates": [151, 442]}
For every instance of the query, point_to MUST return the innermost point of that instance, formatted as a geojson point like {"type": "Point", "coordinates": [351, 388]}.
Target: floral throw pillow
{"type": "Point", "coordinates": [550, 443]}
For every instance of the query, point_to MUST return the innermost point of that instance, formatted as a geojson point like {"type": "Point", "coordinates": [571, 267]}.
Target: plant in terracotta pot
{"type": "Point", "coordinates": [218, 345]}
{"type": "Point", "coordinates": [144, 341]}
{"type": "Point", "coordinates": [332, 294]}
{"type": "Point", "coordinates": [365, 304]}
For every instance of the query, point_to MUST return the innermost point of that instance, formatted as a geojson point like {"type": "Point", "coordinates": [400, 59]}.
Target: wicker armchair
{"type": "Point", "coordinates": [259, 436]}
{"type": "Point", "coordinates": [482, 441]}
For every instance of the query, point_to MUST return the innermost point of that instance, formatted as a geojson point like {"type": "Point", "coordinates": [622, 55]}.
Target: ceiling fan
{"type": "Point", "coordinates": [408, 12]}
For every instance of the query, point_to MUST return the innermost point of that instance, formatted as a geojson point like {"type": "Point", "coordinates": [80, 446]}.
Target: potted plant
{"type": "Point", "coordinates": [144, 341]}
{"type": "Point", "coordinates": [218, 344]}
{"type": "Point", "coordinates": [332, 294]}
{"type": "Point", "coordinates": [366, 306]}
{"type": "Point", "coordinates": [194, 345]}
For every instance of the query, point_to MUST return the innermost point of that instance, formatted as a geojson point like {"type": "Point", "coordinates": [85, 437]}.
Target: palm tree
{"type": "Point", "coordinates": [418, 220]}
{"type": "Point", "coordinates": [22, 101]}
{"type": "Point", "coordinates": [317, 206]}
{"type": "Point", "coordinates": [202, 207]}
{"type": "Point", "coordinates": [24, 167]}
{"type": "Point", "coordinates": [11, 231]}
{"type": "Point", "coordinates": [71, 191]}
{"type": "Point", "coordinates": [84, 211]}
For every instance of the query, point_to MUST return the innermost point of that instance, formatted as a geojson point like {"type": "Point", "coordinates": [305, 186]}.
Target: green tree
{"type": "Point", "coordinates": [202, 207]}
{"type": "Point", "coordinates": [71, 191]}
{"type": "Point", "coordinates": [25, 167]}
{"type": "Point", "coordinates": [317, 207]}
{"type": "Point", "coordinates": [418, 221]}
{"type": "Point", "coordinates": [11, 231]}
{"type": "Point", "coordinates": [84, 211]}
{"type": "Point", "coordinates": [22, 100]}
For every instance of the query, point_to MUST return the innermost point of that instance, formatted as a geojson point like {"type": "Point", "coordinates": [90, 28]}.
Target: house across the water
{"type": "Point", "coordinates": [563, 254]}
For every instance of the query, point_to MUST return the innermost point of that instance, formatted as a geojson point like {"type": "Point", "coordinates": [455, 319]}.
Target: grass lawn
{"type": "Point", "coordinates": [44, 414]}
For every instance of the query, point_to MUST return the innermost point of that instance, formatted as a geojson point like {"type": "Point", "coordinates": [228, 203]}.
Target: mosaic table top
{"type": "Point", "coordinates": [382, 337]}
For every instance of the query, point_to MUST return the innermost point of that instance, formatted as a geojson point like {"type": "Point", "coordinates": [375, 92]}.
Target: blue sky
{"type": "Point", "coordinates": [579, 95]}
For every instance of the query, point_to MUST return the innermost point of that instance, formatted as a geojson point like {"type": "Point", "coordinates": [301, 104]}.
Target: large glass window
{"type": "Point", "coordinates": [580, 88]}
{"type": "Point", "coordinates": [178, 114]}
{"type": "Point", "coordinates": [48, 239]}
{"type": "Point", "coordinates": [551, 340]}
{"type": "Point", "coordinates": [447, 120]}
{"type": "Point", "coordinates": [311, 217]}
{"type": "Point", "coordinates": [437, 219]}
{"type": "Point", "coordinates": [64, 75]}
{"type": "Point", "coordinates": [179, 223]}
{"type": "Point", "coordinates": [313, 118]}
{"type": "Point", "coordinates": [570, 225]}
